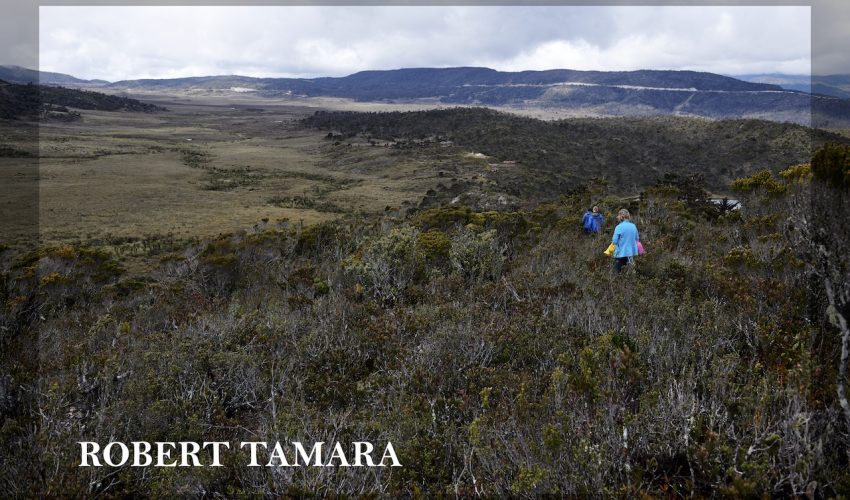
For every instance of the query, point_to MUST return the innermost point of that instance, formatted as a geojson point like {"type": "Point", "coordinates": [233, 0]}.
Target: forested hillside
{"type": "Point", "coordinates": [33, 101]}
{"type": "Point", "coordinates": [495, 350]}
{"type": "Point", "coordinates": [629, 153]}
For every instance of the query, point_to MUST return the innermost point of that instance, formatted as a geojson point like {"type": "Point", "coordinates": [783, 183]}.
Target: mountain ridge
{"type": "Point", "coordinates": [580, 93]}
{"type": "Point", "coordinates": [21, 75]}
{"type": "Point", "coordinates": [468, 75]}
{"type": "Point", "coordinates": [826, 85]}
{"type": "Point", "coordinates": [586, 93]}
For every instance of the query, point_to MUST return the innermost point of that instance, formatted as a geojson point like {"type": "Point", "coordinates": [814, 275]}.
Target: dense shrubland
{"type": "Point", "coordinates": [494, 349]}
{"type": "Point", "coordinates": [632, 153]}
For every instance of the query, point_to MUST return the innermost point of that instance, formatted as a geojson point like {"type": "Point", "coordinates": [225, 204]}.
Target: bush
{"type": "Point", "coordinates": [831, 164]}
{"type": "Point", "coordinates": [388, 264]}
{"type": "Point", "coordinates": [435, 246]}
{"type": "Point", "coordinates": [477, 254]}
{"type": "Point", "coordinates": [762, 180]}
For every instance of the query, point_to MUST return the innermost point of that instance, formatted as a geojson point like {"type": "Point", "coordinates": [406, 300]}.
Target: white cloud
{"type": "Point", "coordinates": [155, 42]}
{"type": "Point", "coordinates": [327, 56]}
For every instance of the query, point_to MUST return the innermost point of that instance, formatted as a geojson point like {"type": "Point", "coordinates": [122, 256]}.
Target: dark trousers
{"type": "Point", "coordinates": [621, 263]}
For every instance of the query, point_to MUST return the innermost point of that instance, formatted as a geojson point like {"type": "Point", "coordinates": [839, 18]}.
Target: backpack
{"type": "Point", "coordinates": [595, 223]}
{"type": "Point", "coordinates": [587, 222]}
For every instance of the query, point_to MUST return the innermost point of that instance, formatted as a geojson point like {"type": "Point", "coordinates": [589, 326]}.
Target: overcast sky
{"type": "Point", "coordinates": [115, 43]}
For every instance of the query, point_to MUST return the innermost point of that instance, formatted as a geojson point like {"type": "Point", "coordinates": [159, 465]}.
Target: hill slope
{"type": "Point", "coordinates": [17, 74]}
{"type": "Point", "coordinates": [829, 85]}
{"type": "Point", "coordinates": [30, 101]}
{"type": "Point", "coordinates": [628, 152]}
{"type": "Point", "coordinates": [495, 343]}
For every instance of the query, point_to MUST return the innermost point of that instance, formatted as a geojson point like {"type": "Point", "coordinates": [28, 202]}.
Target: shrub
{"type": "Point", "coordinates": [388, 264]}
{"type": "Point", "coordinates": [477, 255]}
{"type": "Point", "coordinates": [445, 217]}
{"type": "Point", "coordinates": [831, 164]}
{"type": "Point", "coordinates": [762, 180]}
{"type": "Point", "coordinates": [797, 172]}
{"type": "Point", "coordinates": [435, 246]}
{"type": "Point", "coordinates": [316, 237]}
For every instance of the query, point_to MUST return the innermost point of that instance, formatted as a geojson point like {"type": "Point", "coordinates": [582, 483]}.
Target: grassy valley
{"type": "Point", "coordinates": [195, 171]}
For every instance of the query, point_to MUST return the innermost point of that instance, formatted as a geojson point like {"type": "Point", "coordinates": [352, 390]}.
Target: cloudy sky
{"type": "Point", "coordinates": [115, 43]}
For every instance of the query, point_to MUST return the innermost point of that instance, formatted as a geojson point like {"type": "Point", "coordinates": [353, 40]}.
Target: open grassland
{"type": "Point", "coordinates": [18, 196]}
{"type": "Point", "coordinates": [200, 169]}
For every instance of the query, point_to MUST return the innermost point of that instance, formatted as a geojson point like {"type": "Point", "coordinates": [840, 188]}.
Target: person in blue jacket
{"type": "Point", "coordinates": [592, 221]}
{"type": "Point", "coordinates": [625, 237]}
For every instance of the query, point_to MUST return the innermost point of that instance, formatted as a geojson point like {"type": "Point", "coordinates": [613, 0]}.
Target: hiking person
{"type": "Point", "coordinates": [592, 221]}
{"type": "Point", "coordinates": [626, 238]}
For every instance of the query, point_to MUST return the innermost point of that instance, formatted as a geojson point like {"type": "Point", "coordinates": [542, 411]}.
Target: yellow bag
{"type": "Point", "coordinates": [611, 249]}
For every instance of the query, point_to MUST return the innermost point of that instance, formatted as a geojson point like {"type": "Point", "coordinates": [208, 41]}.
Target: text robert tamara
{"type": "Point", "coordinates": [257, 454]}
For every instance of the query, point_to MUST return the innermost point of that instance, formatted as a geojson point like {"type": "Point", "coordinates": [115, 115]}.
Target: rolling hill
{"type": "Point", "coordinates": [630, 153]}
{"type": "Point", "coordinates": [586, 93]}
{"type": "Point", "coordinates": [17, 74]}
{"type": "Point", "coordinates": [577, 93]}
{"type": "Point", "coordinates": [33, 101]}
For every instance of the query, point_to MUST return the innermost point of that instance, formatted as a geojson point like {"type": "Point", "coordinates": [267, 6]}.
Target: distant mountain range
{"type": "Point", "coordinates": [588, 93]}
{"type": "Point", "coordinates": [828, 85]}
{"type": "Point", "coordinates": [17, 74]}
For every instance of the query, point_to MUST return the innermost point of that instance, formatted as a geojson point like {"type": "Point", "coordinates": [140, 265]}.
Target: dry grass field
{"type": "Point", "coordinates": [18, 201]}
{"type": "Point", "coordinates": [207, 165]}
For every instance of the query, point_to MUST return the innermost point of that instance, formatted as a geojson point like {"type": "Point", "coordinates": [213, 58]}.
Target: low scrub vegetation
{"type": "Point", "coordinates": [495, 350]}
{"type": "Point", "coordinates": [628, 151]}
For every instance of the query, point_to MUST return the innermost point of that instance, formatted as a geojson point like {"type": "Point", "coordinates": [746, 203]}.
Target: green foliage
{"type": "Point", "coordinates": [195, 158]}
{"type": "Point", "coordinates": [388, 264]}
{"type": "Point", "coordinates": [762, 180]}
{"type": "Point", "coordinates": [315, 237]}
{"type": "Point", "coordinates": [797, 173]}
{"type": "Point", "coordinates": [528, 479]}
{"type": "Point", "coordinates": [34, 101]}
{"type": "Point", "coordinates": [435, 246]}
{"type": "Point", "coordinates": [742, 256]}
{"type": "Point", "coordinates": [447, 217]}
{"type": "Point", "coordinates": [831, 165]}
{"type": "Point", "coordinates": [690, 193]}
{"type": "Point", "coordinates": [477, 254]}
